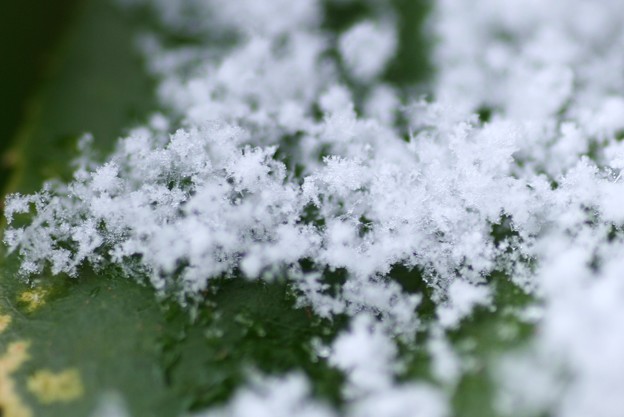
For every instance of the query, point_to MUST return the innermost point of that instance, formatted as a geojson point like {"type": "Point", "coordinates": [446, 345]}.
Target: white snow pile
{"type": "Point", "coordinates": [292, 147]}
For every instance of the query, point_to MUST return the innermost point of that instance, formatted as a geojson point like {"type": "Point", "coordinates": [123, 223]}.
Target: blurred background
{"type": "Point", "coordinates": [29, 32]}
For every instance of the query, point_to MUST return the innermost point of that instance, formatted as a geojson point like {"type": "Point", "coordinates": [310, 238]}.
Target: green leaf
{"type": "Point", "coordinates": [97, 84]}
{"type": "Point", "coordinates": [106, 328]}
{"type": "Point", "coordinates": [114, 334]}
{"type": "Point", "coordinates": [29, 29]}
{"type": "Point", "coordinates": [111, 331]}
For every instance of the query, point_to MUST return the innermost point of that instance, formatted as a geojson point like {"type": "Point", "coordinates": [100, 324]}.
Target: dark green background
{"type": "Point", "coordinates": [29, 31]}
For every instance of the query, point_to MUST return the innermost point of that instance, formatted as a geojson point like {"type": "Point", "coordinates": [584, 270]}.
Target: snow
{"type": "Point", "coordinates": [292, 146]}
{"type": "Point", "coordinates": [366, 356]}
{"type": "Point", "coordinates": [552, 69]}
{"type": "Point", "coordinates": [277, 397]}
{"type": "Point", "coordinates": [290, 396]}
{"type": "Point", "coordinates": [366, 49]}
{"type": "Point", "coordinates": [463, 298]}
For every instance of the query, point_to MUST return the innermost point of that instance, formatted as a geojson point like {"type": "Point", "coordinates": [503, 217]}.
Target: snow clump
{"type": "Point", "coordinates": [292, 147]}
